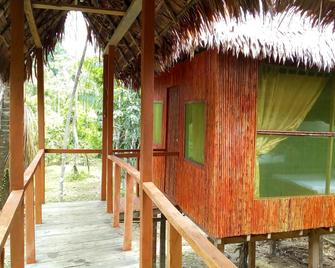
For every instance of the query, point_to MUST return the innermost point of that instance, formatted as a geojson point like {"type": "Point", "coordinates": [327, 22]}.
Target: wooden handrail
{"type": "Point", "coordinates": [73, 151]}
{"type": "Point", "coordinates": [187, 229]}
{"type": "Point", "coordinates": [137, 154]}
{"type": "Point", "coordinates": [8, 214]}
{"type": "Point", "coordinates": [126, 166]}
{"type": "Point", "coordinates": [31, 169]}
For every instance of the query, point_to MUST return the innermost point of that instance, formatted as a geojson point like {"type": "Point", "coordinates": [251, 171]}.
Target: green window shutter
{"type": "Point", "coordinates": [157, 123]}
{"type": "Point", "coordinates": [195, 132]}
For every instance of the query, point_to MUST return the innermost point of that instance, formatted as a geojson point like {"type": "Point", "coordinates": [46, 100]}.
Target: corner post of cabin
{"type": "Point", "coordinates": [104, 129]}
{"type": "Point", "coordinates": [110, 104]}
{"type": "Point", "coordinates": [147, 93]}
{"type": "Point", "coordinates": [16, 140]}
{"type": "Point", "coordinates": [40, 174]}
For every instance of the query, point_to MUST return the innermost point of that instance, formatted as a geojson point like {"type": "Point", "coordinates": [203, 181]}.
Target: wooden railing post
{"type": "Point", "coordinates": [39, 194]}
{"type": "Point", "coordinates": [17, 239]}
{"type": "Point", "coordinates": [128, 215]}
{"type": "Point", "coordinates": [174, 248]}
{"type": "Point", "coordinates": [30, 223]}
{"type": "Point", "coordinates": [116, 195]}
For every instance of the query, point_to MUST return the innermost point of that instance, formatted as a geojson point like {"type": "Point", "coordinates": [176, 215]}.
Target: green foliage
{"type": "Point", "coordinates": [77, 176]}
{"type": "Point", "coordinates": [59, 76]}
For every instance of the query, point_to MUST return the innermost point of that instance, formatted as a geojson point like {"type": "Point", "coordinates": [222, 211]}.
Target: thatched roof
{"type": "Point", "coordinates": [174, 18]}
{"type": "Point", "coordinates": [282, 37]}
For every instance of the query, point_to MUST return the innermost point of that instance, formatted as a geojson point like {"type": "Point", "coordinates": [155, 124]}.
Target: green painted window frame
{"type": "Point", "coordinates": [157, 122]}
{"type": "Point", "coordinates": [195, 132]}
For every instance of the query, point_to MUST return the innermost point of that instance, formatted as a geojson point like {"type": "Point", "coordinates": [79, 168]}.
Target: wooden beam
{"type": "Point", "coordinates": [110, 105]}
{"type": "Point", "coordinates": [73, 151]}
{"type": "Point", "coordinates": [16, 141]}
{"type": "Point", "coordinates": [41, 119]}
{"type": "Point", "coordinates": [147, 97]}
{"type": "Point", "coordinates": [84, 9]}
{"type": "Point", "coordinates": [32, 23]}
{"type": "Point", "coordinates": [104, 129]}
{"type": "Point", "coordinates": [124, 25]}
{"type": "Point", "coordinates": [174, 248]}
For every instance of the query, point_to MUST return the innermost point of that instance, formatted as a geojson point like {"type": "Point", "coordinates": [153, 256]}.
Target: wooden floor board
{"type": "Point", "coordinates": [80, 234]}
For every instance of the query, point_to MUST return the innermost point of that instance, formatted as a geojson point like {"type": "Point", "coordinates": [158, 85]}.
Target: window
{"type": "Point", "coordinates": [157, 123]}
{"type": "Point", "coordinates": [195, 132]}
{"type": "Point", "coordinates": [295, 133]}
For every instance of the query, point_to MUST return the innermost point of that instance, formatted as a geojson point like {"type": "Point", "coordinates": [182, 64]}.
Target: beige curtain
{"type": "Point", "coordinates": [283, 101]}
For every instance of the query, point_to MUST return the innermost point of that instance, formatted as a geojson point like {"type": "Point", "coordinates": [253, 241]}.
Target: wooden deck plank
{"type": "Point", "coordinates": [80, 234]}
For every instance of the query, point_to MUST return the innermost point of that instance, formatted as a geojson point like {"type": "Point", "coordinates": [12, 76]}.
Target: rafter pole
{"type": "Point", "coordinates": [147, 93]}
{"type": "Point", "coordinates": [16, 141]}
{"type": "Point", "coordinates": [84, 9]}
{"type": "Point", "coordinates": [124, 25]}
{"type": "Point", "coordinates": [32, 23]}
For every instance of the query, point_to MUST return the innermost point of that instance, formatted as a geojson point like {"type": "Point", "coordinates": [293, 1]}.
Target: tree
{"type": "Point", "coordinates": [68, 121]}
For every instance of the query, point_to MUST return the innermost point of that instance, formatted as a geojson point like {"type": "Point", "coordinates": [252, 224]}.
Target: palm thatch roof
{"type": "Point", "coordinates": [175, 19]}
{"type": "Point", "coordinates": [282, 37]}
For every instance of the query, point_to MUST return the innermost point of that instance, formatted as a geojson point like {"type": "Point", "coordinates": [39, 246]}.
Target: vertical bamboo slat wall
{"type": "Point", "coordinates": [219, 196]}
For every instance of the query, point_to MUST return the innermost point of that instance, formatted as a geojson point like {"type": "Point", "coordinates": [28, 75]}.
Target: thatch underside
{"type": "Point", "coordinates": [175, 21]}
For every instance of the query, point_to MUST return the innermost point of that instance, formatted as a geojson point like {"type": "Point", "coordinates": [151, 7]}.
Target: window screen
{"type": "Point", "coordinates": [195, 132]}
{"type": "Point", "coordinates": [157, 123]}
{"type": "Point", "coordinates": [295, 133]}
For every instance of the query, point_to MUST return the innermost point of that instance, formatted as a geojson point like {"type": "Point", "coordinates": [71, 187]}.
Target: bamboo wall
{"type": "Point", "coordinates": [219, 196]}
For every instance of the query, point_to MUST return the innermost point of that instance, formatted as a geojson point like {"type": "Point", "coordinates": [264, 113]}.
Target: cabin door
{"type": "Point", "coordinates": [172, 142]}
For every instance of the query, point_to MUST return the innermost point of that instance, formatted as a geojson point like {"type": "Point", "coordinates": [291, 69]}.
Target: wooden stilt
{"type": "Point", "coordinates": [110, 103]}
{"type": "Point", "coordinates": [251, 254]}
{"type": "Point", "coordinates": [129, 212]}
{"type": "Point", "coordinates": [116, 196]}
{"type": "Point", "coordinates": [30, 224]}
{"type": "Point", "coordinates": [41, 116]}
{"type": "Point", "coordinates": [314, 249]}
{"type": "Point", "coordinates": [154, 239]}
{"type": "Point", "coordinates": [162, 241]}
{"type": "Point", "coordinates": [2, 259]}
{"type": "Point", "coordinates": [147, 93]}
{"type": "Point", "coordinates": [174, 248]}
{"type": "Point", "coordinates": [16, 142]}
{"type": "Point", "coordinates": [104, 129]}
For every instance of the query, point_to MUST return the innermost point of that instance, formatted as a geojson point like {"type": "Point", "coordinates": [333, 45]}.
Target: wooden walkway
{"type": "Point", "coordinates": [80, 234]}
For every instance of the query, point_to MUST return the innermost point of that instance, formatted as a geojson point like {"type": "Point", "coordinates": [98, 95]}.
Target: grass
{"type": "Point", "coordinates": [81, 187]}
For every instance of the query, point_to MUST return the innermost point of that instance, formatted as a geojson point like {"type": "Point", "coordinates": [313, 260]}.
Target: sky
{"type": "Point", "coordinates": [75, 36]}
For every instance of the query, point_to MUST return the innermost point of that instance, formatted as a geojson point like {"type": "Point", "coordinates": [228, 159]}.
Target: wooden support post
{"type": "Point", "coordinates": [314, 249]}
{"type": "Point", "coordinates": [16, 141]}
{"type": "Point", "coordinates": [110, 104]}
{"type": "Point", "coordinates": [147, 93]}
{"type": "Point", "coordinates": [104, 129]}
{"type": "Point", "coordinates": [129, 213]}
{"type": "Point", "coordinates": [251, 254]}
{"type": "Point", "coordinates": [30, 223]}
{"type": "Point", "coordinates": [162, 242]}
{"type": "Point", "coordinates": [2, 258]}
{"type": "Point", "coordinates": [174, 248]}
{"type": "Point", "coordinates": [38, 194]}
{"type": "Point", "coordinates": [154, 239]}
{"type": "Point", "coordinates": [116, 196]}
{"type": "Point", "coordinates": [41, 116]}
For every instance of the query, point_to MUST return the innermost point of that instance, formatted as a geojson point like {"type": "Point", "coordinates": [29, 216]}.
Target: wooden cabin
{"type": "Point", "coordinates": [227, 160]}
{"type": "Point", "coordinates": [253, 125]}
